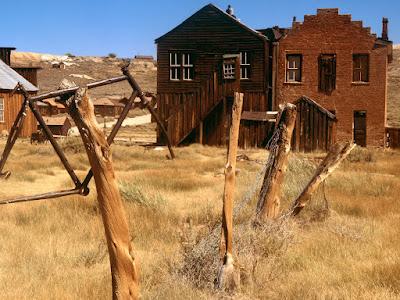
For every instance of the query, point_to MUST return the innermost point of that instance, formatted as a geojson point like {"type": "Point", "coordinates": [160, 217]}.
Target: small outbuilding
{"type": "Point", "coordinates": [58, 125]}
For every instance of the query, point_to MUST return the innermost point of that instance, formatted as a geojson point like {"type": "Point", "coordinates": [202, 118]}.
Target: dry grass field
{"type": "Point", "coordinates": [56, 249]}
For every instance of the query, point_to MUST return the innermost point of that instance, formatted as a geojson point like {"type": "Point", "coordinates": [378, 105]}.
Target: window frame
{"type": "Point", "coordinates": [2, 110]}
{"type": "Point", "coordinates": [181, 65]}
{"type": "Point", "coordinates": [289, 69]}
{"type": "Point", "coordinates": [232, 71]}
{"type": "Point", "coordinates": [245, 65]}
{"type": "Point", "coordinates": [359, 69]}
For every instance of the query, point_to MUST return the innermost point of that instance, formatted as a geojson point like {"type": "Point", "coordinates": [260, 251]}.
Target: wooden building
{"type": "Point", "coordinates": [58, 125]}
{"type": "Point", "coordinates": [10, 104]}
{"type": "Point", "coordinates": [331, 59]}
{"type": "Point", "coordinates": [50, 107]}
{"type": "Point", "coordinates": [107, 108]}
{"type": "Point", "coordinates": [201, 63]}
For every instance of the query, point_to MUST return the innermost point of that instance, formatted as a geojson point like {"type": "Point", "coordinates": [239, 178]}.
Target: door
{"type": "Point", "coordinates": [360, 128]}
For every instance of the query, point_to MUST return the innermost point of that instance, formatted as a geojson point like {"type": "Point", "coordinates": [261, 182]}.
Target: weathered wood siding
{"type": "Point", "coordinates": [12, 105]}
{"type": "Point", "coordinates": [392, 137]}
{"type": "Point", "coordinates": [208, 35]}
{"type": "Point", "coordinates": [314, 130]}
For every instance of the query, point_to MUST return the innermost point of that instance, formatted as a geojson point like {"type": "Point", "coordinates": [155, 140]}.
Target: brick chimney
{"type": "Point", "coordinates": [5, 54]}
{"type": "Point", "coordinates": [385, 31]}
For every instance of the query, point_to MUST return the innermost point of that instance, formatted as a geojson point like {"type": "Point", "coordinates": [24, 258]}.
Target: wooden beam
{"type": "Point", "coordinates": [335, 156]}
{"type": "Point", "coordinates": [123, 266]}
{"type": "Point", "coordinates": [261, 116]}
{"type": "Point", "coordinates": [269, 200]}
{"type": "Point", "coordinates": [227, 279]}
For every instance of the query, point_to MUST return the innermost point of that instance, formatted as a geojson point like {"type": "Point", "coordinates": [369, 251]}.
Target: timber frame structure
{"type": "Point", "coordinates": [67, 96]}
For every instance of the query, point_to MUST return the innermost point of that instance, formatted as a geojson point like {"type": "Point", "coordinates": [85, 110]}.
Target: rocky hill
{"type": "Point", "coordinates": [86, 69]}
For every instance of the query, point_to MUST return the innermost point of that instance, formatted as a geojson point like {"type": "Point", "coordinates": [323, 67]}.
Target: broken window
{"type": "Point", "coordinates": [174, 66]}
{"type": "Point", "coordinates": [188, 67]}
{"type": "Point", "coordinates": [327, 72]}
{"type": "Point", "coordinates": [1, 109]}
{"type": "Point", "coordinates": [229, 71]}
{"type": "Point", "coordinates": [360, 67]}
{"type": "Point", "coordinates": [244, 65]}
{"type": "Point", "coordinates": [293, 67]}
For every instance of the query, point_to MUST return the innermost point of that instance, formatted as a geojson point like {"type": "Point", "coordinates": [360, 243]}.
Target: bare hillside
{"type": "Point", "coordinates": [393, 109]}
{"type": "Point", "coordinates": [83, 70]}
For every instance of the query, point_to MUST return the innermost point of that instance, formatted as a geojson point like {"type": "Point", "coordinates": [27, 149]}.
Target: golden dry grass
{"type": "Point", "coordinates": [56, 249]}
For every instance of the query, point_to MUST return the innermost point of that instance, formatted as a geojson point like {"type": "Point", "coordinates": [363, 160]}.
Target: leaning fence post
{"type": "Point", "coordinates": [269, 199]}
{"type": "Point", "coordinates": [123, 266]}
{"type": "Point", "coordinates": [227, 277]}
{"type": "Point", "coordinates": [332, 160]}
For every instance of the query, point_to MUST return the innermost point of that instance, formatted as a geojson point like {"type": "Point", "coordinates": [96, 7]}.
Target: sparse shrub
{"type": "Point", "coordinates": [73, 145]}
{"type": "Point", "coordinates": [112, 55]}
{"type": "Point", "coordinates": [360, 154]}
{"type": "Point", "coordinates": [70, 55]}
{"type": "Point", "coordinates": [132, 193]}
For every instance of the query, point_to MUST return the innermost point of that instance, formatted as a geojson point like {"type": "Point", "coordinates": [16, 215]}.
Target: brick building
{"type": "Point", "coordinates": [341, 65]}
{"type": "Point", "coordinates": [337, 63]}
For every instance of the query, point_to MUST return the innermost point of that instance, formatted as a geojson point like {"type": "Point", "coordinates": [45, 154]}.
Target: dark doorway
{"type": "Point", "coordinates": [360, 128]}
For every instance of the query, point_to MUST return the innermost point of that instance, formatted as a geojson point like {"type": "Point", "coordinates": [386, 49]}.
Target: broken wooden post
{"type": "Point", "coordinates": [333, 159]}
{"type": "Point", "coordinates": [123, 267]}
{"type": "Point", "coordinates": [269, 199]}
{"type": "Point", "coordinates": [227, 277]}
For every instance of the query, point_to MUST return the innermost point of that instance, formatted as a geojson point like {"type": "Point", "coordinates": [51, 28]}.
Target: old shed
{"type": "Point", "coordinates": [315, 126]}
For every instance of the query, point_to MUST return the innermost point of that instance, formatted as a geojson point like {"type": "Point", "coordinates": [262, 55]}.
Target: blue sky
{"type": "Point", "coordinates": [129, 27]}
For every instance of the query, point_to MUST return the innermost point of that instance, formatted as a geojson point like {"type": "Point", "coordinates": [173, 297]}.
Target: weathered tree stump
{"type": "Point", "coordinates": [333, 159]}
{"type": "Point", "coordinates": [123, 267]}
{"type": "Point", "coordinates": [229, 278]}
{"type": "Point", "coordinates": [269, 199]}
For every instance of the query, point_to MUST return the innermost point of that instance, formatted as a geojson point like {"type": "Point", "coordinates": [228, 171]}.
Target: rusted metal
{"type": "Point", "coordinates": [45, 196]}
{"type": "Point", "coordinates": [65, 96]}
{"type": "Point", "coordinates": [146, 103]}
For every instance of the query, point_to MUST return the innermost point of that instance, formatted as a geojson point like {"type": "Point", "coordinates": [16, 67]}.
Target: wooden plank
{"type": "Point", "coordinates": [261, 116]}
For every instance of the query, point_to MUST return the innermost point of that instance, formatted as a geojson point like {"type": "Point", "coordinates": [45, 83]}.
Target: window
{"type": "Point", "coordinates": [244, 65]}
{"type": "Point", "coordinates": [187, 66]}
{"type": "Point", "coordinates": [1, 109]}
{"type": "Point", "coordinates": [360, 68]}
{"type": "Point", "coordinates": [181, 66]}
{"type": "Point", "coordinates": [293, 67]}
{"type": "Point", "coordinates": [174, 66]}
{"type": "Point", "coordinates": [327, 73]}
{"type": "Point", "coordinates": [229, 70]}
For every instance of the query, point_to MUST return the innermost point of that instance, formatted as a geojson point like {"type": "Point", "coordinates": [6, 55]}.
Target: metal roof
{"type": "Point", "coordinates": [10, 78]}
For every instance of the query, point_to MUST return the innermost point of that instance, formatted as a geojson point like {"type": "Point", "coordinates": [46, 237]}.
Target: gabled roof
{"type": "Point", "coordinates": [56, 120]}
{"type": "Point", "coordinates": [317, 105]}
{"type": "Point", "coordinates": [221, 12]}
{"type": "Point", "coordinates": [10, 78]}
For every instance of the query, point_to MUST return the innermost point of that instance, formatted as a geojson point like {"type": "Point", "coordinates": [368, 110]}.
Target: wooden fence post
{"type": "Point", "coordinates": [227, 279]}
{"type": "Point", "coordinates": [333, 159]}
{"type": "Point", "coordinates": [269, 200]}
{"type": "Point", "coordinates": [123, 267]}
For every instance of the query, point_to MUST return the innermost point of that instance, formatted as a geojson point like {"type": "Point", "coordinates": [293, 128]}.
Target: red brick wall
{"type": "Point", "coordinates": [331, 33]}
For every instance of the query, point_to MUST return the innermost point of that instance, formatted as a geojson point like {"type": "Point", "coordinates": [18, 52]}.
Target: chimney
{"type": "Point", "coordinates": [5, 54]}
{"type": "Point", "coordinates": [294, 21]}
{"type": "Point", "coordinates": [385, 33]}
{"type": "Point", "coordinates": [230, 11]}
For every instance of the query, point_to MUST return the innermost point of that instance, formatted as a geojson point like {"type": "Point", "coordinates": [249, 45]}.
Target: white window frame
{"type": "Point", "coordinates": [291, 70]}
{"type": "Point", "coordinates": [2, 104]}
{"type": "Point", "coordinates": [174, 66]}
{"type": "Point", "coordinates": [187, 66]}
{"type": "Point", "coordinates": [244, 65]}
{"type": "Point", "coordinates": [229, 71]}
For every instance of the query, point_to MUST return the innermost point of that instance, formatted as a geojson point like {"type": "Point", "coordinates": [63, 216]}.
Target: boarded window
{"type": "Point", "coordinates": [360, 67]}
{"type": "Point", "coordinates": [244, 65]}
{"type": "Point", "coordinates": [293, 67]}
{"type": "Point", "coordinates": [327, 73]}
{"type": "Point", "coordinates": [174, 66]}
{"type": "Point", "coordinates": [1, 109]}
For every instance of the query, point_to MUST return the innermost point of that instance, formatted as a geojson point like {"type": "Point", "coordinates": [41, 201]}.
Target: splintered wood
{"type": "Point", "coordinates": [335, 156]}
{"type": "Point", "coordinates": [228, 278]}
{"type": "Point", "coordinates": [269, 200]}
{"type": "Point", "coordinates": [123, 266]}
